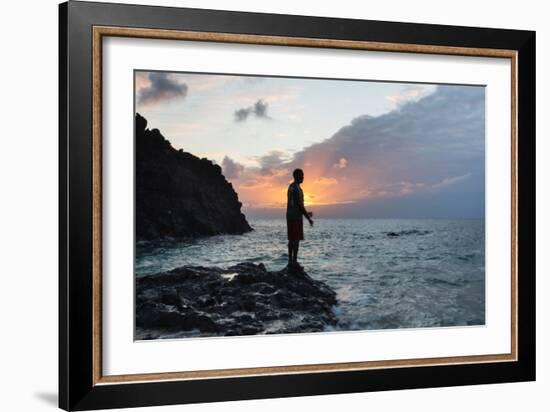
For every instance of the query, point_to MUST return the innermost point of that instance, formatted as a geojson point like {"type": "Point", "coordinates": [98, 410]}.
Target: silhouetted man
{"type": "Point", "coordinates": [295, 210]}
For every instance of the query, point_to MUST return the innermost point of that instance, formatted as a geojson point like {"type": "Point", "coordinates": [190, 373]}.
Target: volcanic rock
{"type": "Point", "coordinates": [179, 195]}
{"type": "Point", "coordinates": [245, 299]}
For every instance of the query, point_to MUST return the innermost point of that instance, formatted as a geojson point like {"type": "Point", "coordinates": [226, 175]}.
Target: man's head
{"type": "Point", "coordinates": [298, 175]}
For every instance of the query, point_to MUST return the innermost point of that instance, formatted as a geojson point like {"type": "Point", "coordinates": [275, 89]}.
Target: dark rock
{"type": "Point", "coordinates": [179, 195]}
{"type": "Point", "coordinates": [244, 299]}
{"type": "Point", "coordinates": [408, 232]}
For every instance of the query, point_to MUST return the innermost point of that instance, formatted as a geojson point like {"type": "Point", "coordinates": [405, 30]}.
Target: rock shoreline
{"type": "Point", "coordinates": [244, 299]}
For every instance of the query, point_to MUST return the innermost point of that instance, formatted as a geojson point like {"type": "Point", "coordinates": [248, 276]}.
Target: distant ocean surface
{"type": "Point", "coordinates": [388, 273]}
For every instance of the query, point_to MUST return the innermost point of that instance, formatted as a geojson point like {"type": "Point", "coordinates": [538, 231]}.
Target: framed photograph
{"type": "Point", "coordinates": [256, 205]}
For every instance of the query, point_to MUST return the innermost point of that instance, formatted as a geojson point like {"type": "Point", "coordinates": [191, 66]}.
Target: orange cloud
{"type": "Point", "coordinates": [326, 181]}
{"type": "Point", "coordinates": [142, 80]}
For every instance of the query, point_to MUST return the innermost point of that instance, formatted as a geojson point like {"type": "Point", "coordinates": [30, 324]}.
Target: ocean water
{"type": "Point", "coordinates": [388, 273]}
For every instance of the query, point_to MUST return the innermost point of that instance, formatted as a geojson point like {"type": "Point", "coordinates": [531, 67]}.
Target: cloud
{"type": "Point", "coordinates": [424, 141]}
{"type": "Point", "coordinates": [142, 80]}
{"type": "Point", "coordinates": [326, 181]}
{"type": "Point", "coordinates": [273, 162]}
{"type": "Point", "coordinates": [259, 109]}
{"type": "Point", "coordinates": [448, 181]}
{"type": "Point", "coordinates": [231, 169]}
{"type": "Point", "coordinates": [242, 114]}
{"type": "Point", "coordinates": [160, 87]}
{"type": "Point", "coordinates": [433, 146]}
{"type": "Point", "coordinates": [341, 163]}
{"type": "Point", "coordinates": [410, 93]}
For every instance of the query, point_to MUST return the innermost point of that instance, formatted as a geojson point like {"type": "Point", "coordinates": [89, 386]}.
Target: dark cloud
{"type": "Point", "coordinates": [242, 114]}
{"type": "Point", "coordinates": [439, 136]}
{"type": "Point", "coordinates": [431, 150]}
{"type": "Point", "coordinates": [162, 87]}
{"type": "Point", "coordinates": [258, 109]}
{"type": "Point", "coordinates": [231, 169]}
{"type": "Point", "coordinates": [272, 163]}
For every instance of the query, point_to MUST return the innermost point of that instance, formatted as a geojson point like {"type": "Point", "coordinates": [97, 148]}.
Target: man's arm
{"type": "Point", "coordinates": [305, 212]}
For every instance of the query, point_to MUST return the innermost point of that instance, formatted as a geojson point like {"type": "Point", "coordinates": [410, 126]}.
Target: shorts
{"type": "Point", "coordinates": [295, 229]}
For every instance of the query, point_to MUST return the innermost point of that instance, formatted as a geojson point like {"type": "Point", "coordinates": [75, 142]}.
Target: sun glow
{"type": "Point", "coordinates": [323, 185]}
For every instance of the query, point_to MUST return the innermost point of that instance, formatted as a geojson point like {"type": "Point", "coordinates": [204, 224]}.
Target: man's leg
{"type": "Point", "coordinates": [290, 253]}
{"type": "Point", "coordinates": [295, 254]}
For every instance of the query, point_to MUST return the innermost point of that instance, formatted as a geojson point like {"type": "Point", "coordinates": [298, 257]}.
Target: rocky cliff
{"type": "Point", "coordinates": [245, 299]}
{"type": "Point", "coordinates": [178, 194]}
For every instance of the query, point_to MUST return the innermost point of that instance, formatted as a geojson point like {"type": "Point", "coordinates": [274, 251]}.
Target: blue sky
{"type": "Point", "coordinates": [366, 147]}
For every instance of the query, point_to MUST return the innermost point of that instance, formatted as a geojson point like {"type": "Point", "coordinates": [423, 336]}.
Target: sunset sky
{"type": "Point", "coordinates": [368, 149]}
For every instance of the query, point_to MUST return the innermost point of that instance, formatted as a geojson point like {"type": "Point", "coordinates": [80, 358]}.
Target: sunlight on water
{"type": "Point", "coordinates": [387, 273]}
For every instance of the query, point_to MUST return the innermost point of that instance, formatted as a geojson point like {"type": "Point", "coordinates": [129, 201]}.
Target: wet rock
{"type": "Point", "coordinates": [408, 232]}
{"type": "Point", "coordinates": [245, 299]}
